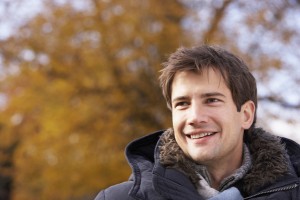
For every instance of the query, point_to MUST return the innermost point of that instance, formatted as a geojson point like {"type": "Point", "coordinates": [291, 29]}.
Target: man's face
{"type": "Point", "coordinates": [206, 123]}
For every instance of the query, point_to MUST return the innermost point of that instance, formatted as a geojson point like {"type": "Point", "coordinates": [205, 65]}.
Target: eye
{"type": "Point", "coordinates": [212, 100]}
{"type": "Point", "coordinates": [181, 104]}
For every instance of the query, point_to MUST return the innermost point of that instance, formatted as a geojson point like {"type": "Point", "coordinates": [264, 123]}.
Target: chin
{"type": "Point", "coordinates": [195, 157]}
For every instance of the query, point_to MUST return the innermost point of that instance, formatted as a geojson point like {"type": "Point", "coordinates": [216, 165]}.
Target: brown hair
{"type": "Point", "coordinates": [234, 71]}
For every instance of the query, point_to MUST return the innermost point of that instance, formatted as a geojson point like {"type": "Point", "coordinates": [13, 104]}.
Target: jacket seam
{"type": "Point", "coordinates": [280, 189]}
{"type": "Point", "coordinates": [135, 168]}
{"type": "Point", "coordinates": [104, 194]}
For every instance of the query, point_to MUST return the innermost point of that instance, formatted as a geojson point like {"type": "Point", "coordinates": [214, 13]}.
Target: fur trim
{"type": "Point", "coordinates": [269, 159]}
{"type": "Point", "coordinates": [171, 156]}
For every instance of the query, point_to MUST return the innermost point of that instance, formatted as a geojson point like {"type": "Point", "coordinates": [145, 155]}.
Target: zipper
{"type": "Point", "coordinates": [225, 183]}
{"type": "Point", "coordinates": [285, 188]}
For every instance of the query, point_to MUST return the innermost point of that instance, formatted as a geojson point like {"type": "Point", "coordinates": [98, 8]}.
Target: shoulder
{"type": "Point", "coordinates": [292, 146]}
{"type": "Point", "coordinates": [116, 192]}
{"type": "Point", "coordinates": [293, 150]}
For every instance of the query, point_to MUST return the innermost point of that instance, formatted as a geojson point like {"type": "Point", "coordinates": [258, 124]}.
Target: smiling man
{"type": "Point", "coordinates": [213, 151]}
{"type": "Point", "coordinates": [207, 126]}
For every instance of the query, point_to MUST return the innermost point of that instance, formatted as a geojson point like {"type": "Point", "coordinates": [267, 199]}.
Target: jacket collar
{"type": "Point", "coordinates": [150, 178]}
{"type": "Point", "coordinates": [270, 160]}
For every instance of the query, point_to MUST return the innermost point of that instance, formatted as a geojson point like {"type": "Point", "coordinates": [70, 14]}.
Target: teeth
{"type": "Point", "coordinates": [200, 135]}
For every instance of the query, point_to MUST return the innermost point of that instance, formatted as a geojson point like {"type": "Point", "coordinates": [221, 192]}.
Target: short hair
{"type": "Point", "coordinates": [233, 70]}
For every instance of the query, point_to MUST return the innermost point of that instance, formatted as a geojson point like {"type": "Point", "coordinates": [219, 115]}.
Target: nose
{"type": "Point", "coordinates": [197, 115]}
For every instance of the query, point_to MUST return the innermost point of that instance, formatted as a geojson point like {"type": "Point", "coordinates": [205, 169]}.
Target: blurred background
{"type": "Point", "coordinates": [79, 81]}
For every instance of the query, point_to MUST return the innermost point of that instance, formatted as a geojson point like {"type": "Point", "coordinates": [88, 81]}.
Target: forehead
{"type": "Point", "coordinates": [206, 76]}
{"type": "Point", "coordinates": [191, 82]}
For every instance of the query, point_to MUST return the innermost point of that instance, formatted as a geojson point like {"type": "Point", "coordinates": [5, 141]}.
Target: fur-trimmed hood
{"type": "Point", "coordinates": [270, 160]}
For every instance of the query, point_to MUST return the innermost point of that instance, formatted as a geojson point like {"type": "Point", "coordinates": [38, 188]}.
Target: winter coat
{"type": "Point", "coordinates": [274, 173]}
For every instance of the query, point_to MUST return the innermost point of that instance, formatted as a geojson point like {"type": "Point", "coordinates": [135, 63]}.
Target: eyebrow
{"type": "Point", "coordinates": [180, 98]}
{"type": "Point", "coordinates": [205, 95]}
{"type": "Point", "coordinates": [212, 94]}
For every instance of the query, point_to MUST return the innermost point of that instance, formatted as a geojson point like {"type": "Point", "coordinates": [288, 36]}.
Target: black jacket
{"type": "Point", "coordinates": [266, 179]}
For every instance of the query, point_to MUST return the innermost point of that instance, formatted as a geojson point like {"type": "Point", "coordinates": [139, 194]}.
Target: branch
{"type": "Point", "coordinates": [279, 101]}
{"type": "Point", "coordinates": [218, 16]}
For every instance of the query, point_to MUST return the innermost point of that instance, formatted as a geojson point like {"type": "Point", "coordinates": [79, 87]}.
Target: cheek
{"type": "Point", "coordinates": [232, 124]}
{"type": "Point", "coordinates": [177, 120]}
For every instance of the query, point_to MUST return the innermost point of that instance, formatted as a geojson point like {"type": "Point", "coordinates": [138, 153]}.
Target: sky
{"type": "Point", "coordinates": [14, 14]}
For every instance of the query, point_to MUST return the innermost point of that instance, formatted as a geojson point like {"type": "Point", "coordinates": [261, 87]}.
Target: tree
{"type": "Point", "coordinates": [85, 83]}
{"type": "Point", "coordinates": [79, 80]}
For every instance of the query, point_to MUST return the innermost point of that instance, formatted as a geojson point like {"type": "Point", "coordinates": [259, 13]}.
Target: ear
{"type": "Point", "coordinates": [248, 112]}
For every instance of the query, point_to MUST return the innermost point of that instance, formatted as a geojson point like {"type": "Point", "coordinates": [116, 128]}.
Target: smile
{"type": "Point", "coordinates": [201, 135]}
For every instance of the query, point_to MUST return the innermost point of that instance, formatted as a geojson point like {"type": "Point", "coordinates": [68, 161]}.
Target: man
{"type": "Point", "coordinates": [213, 150]}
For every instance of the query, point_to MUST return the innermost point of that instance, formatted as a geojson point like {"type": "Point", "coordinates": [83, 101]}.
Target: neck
{"type": "Point", "coordinates": [218, 172]}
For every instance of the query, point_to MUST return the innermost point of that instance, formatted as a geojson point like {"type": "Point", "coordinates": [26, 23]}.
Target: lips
{"type": "Point", "coordinates": [200, 135]}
